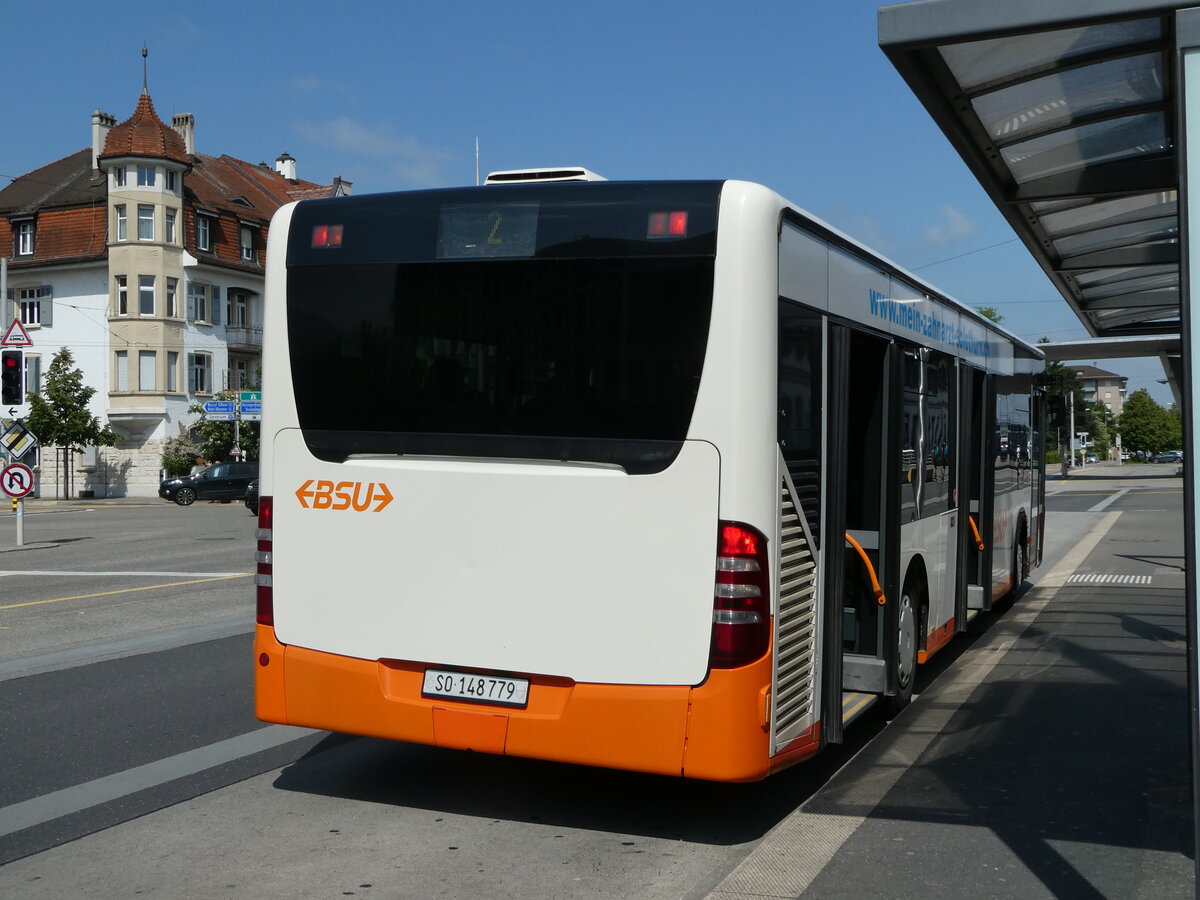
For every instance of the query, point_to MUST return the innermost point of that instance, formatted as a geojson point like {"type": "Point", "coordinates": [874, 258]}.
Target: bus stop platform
{"type": "Point", "coordinates": [1050, 758]}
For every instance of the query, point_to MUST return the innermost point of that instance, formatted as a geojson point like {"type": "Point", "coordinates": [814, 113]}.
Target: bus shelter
{"type": "Point", "coordinates": [1081, 120]}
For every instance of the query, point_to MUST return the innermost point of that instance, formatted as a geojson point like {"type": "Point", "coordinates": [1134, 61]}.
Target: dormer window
{"type": "Point", "coordinates": [145, 176]}
{"type": "Point", "coordinates": [203, 233]}
{"type": "Point", "coordinates": [246, 241]}
{"type": "Point", "coordinates": [24, 238]}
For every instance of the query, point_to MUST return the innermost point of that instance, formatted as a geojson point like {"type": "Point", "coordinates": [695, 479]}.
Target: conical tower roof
{"type": "Point", "coordinates": [145, 134]}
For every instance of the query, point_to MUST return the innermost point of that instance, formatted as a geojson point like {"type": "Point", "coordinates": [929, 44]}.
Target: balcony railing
{"type": "Point", "coordinates": [244, 335]}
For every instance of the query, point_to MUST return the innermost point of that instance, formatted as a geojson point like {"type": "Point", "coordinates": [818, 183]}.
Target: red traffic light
{"type": "Point", "coordinates": [12, 376]}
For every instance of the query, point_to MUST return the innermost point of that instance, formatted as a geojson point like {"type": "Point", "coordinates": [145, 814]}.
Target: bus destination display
{"type": "Point", "coordinates": [482, 230]}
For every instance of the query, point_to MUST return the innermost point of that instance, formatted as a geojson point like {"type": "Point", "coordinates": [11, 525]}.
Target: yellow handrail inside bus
{"type": "Point", "coordinates": [879, 596]}
{"type": "Point", "coordinates": [975, 530]}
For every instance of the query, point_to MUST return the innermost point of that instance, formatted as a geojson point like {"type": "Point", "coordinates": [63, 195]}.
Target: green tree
{"type": "Point", "coordinates": [59, 416]}
{"type": "Point", "coordinates": [1060, 383]}
{"type": "Point", "coordinates": [216, 438]}
{"type": "Point", "coordinates": [990, 313]}
{"type": "Point", "coordinates": [1147, 426]}
{"type": "Point", "coordinates": [1097, 425]}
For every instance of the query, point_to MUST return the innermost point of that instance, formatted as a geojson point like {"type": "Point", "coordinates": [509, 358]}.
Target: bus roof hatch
{"type": "Point", "coordinates": [527, 176]}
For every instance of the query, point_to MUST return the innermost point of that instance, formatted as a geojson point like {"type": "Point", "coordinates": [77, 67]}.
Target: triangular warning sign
{"type": "Point", "coordinates": [16, 336]}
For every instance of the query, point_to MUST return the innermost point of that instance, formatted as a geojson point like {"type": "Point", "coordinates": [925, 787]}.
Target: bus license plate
{"type": "Point", "coordinates": [473, 688]}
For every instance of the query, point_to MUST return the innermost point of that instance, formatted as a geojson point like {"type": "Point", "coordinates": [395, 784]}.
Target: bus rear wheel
{"type": "Point", "coordinates": [908, 621]}
{"type": "Point", "coordinates": [1020, 561]}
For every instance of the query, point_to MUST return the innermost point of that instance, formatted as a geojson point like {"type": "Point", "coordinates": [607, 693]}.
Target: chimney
{"type": "Point", "coordinates": [185, 124]}
{"type": "Point", "coordinates": [101, 123]}
{"type": "Point", "coordinates": [285, 165]}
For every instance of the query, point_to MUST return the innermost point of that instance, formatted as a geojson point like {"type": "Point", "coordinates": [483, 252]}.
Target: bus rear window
{"type": "Point", "coordinates": [594, 359]}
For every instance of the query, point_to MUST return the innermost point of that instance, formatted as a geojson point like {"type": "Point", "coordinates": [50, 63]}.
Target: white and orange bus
{"type": "Point", "coordinates": [668, 477]}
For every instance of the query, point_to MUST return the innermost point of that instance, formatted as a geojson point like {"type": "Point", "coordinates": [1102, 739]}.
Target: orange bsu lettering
{"type": "Point", "coordinates": [344, 495]}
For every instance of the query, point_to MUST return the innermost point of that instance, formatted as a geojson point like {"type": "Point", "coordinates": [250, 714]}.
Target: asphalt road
{"type": "Point", "coordinates": [125, 692]}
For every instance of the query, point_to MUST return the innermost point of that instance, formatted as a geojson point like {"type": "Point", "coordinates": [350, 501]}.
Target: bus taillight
{"type": "Point", "coordinates": [741, 600]}
{"type": "Point", "coordinates": [262, 577]}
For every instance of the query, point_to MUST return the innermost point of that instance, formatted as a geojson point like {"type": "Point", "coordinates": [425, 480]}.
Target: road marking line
{"type": "Point", "coordinates": [149, 587]}
{"type": "Point", "coordinates": [792, 855]}
{"type": "Point", "coordinates": [1105, 504]}
{"type": "Point", "coordinates": [57, 804]}
{"type": "Point", "coordinates": [54, 660]}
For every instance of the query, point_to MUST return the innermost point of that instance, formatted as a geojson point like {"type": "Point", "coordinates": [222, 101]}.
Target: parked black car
{"type": "Point", "coordinates": [224, 481]}
{"type": "Point", "coordinates": [251, 497]}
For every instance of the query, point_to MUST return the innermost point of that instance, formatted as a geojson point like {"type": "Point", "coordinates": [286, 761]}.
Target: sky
{"type": "Point", "coordinates": [392, 95]}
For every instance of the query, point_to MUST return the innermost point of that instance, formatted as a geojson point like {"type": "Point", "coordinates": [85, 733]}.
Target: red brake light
{"type": "Point", "coordinates": [326, 236]}
{"type": "Point", "coordinates": [741, 630]}
{"type": "Point", "coordinates": [667, 224]}
{"type": "Point", "coordinates": [263, 588]}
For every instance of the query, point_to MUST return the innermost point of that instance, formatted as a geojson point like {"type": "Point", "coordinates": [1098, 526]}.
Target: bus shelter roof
{"type": "Point", "coordinates": [1065, 113]}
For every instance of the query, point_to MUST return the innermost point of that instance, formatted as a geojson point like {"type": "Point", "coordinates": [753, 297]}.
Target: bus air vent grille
{"type": "Point", "coordinates": [795, 626]}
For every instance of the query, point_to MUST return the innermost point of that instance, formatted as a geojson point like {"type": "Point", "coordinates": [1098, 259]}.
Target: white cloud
{"type": "Point", "coordinates": [954, 226]}
{"type": "Point", "coordinates": [409, 161]}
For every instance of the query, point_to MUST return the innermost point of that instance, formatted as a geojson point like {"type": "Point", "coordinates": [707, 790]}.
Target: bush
{"type": "Point", "coordinates": [179, 454]}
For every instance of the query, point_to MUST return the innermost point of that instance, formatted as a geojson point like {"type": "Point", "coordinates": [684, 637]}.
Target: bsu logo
{"type": "Point", "coordinates": [344, 495]}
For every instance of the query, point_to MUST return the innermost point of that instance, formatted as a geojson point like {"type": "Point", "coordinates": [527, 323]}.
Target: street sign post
{"type": "Point", "coordinates": [220, 410]}
{"type": "Point", "coordinates": [16, 480]}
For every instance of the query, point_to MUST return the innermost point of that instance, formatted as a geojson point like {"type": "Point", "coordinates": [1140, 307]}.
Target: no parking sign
{"type": "Point", "coordinates": [16, 480]}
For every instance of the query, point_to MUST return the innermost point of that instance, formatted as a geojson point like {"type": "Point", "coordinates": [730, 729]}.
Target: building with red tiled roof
{"type": "Point", "coordinates": [145, 258]}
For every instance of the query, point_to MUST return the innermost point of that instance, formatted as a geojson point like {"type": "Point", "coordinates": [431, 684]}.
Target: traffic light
{"type": "Point", "coordinates": [12, 377]}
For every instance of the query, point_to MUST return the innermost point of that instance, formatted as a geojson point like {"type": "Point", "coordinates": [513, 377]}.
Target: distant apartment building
{"type": "Point", "coordinates": [1106, 388]}
{"type": "Point", "coordinates": [145, 258]}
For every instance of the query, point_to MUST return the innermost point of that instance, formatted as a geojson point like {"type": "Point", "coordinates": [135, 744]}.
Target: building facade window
{"type": "Point", "coordinates": [198, 302]}
{"type": "Point", "coordinates": [170, 179]}
{"type": "Point", "coordinates": [24, 239]}
{"type": "Point", "coordinates": [145, 295]}
{"type": "Point", "coordinates": [237, 309]}
{"type": "Point", "coordinates": [122, 223]}
{"type": "Point", "coordinates": [145, 176]}
{"type": "Point", "coordinates": [172, 303]}
{"type": "Point", "coordinates": [172, 371]}
{"type": "Point", "coordinates": [200, 373]}
{"type": "Point", "coordinates": [241, 374]}
{"type": "Point", "coordinates": [246, 240]}
{"type": "Point", "coordinates": [147, 370]}
{"type": "Point", "coordinates": [118, 176]}
{"type": "Point", "coordinates": [203, 233]}
{"type": "Point", "coordinates": [145, 222]}
{"type": "Point", "coordinates": [36, 304]}
{"type": "Point", "coordinates": [170, 229]}
{"type": "Point", "coordinates": [122, 295]}
{"type": "Point", "coordinates": [122, 371]}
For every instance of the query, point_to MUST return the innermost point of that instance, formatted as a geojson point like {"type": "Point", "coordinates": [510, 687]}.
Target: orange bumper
{"type": "Point", "coordinates": [717, 731]}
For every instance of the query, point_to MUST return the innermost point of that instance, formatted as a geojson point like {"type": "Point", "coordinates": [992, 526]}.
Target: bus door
{"type": "Point", "coordinates": [974, 491]}
{"type": "Point", "coordinates": [861, 552]}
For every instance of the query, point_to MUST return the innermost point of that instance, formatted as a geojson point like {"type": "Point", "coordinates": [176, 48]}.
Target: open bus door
{"type": "Point", "coordinates": [973, 591]}
{"type": "Point", "coordinates": [862, 556]}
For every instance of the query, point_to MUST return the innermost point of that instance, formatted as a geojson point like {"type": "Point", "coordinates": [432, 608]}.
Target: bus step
{"type": "Point", "coordinates": [854, 704]}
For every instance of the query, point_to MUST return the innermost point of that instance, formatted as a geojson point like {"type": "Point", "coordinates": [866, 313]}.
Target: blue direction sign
{"type": "Point", "coordinates": [251, 408]}
{"type": "Point", "coordinates": [219, 410]}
